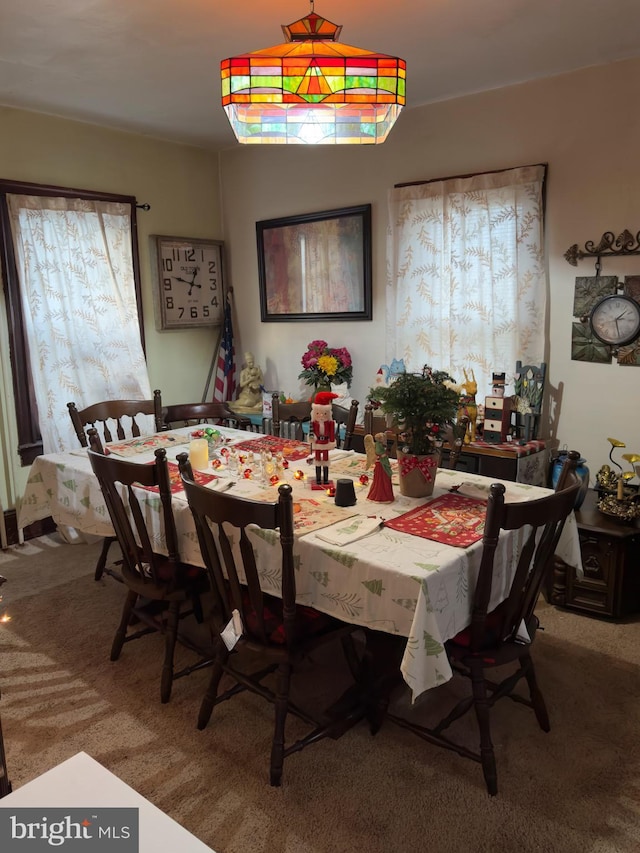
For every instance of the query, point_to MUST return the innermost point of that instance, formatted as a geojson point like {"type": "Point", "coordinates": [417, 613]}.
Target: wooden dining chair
{"type": "Point", "coordinates": [503, 635]}
{"type": "Point", "coordinates": [345, 418]}
{"type": "Point", "coordinates": [291, 414]}
{"type": "Point", "coordinates": [276, 632]}
{"type": "Point", "coordinates": [129, 489]}
{"type": "Point", "coordinates": [119, 416]}
{"type": "Point", "coordinates": [111, 416]}
{"type": "Point", "coordinates": [191, 414]}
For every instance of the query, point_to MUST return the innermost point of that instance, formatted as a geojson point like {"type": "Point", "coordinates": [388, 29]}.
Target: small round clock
{"type": "Point", "coordinates": [188, 286]}
{"type": "Point", "coordinates": [615, 320]}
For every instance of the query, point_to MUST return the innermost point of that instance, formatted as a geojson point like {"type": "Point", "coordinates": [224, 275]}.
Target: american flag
{"type": "Point", "coordinates": [225, 383]}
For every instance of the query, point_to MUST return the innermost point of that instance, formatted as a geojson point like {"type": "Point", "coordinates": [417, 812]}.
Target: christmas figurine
{"type": "Point", "coordinates": [322, 434]}
{"type": "Point", "coordinates": [381, 489]}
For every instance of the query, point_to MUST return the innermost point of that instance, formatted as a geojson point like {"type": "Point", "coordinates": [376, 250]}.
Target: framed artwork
{"type": "Point", "coordinates": [316, 266]}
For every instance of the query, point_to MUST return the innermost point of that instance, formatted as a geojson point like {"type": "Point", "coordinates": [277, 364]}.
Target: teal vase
{"type": "Point", "coordinates": [581, 470]}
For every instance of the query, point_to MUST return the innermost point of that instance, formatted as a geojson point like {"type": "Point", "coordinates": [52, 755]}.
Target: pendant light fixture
{"type": "Point", "coordinates": [312, 90]}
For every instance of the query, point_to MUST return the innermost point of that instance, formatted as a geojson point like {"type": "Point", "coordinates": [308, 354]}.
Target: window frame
{"type": "Point", "coordinates": [29, 438]}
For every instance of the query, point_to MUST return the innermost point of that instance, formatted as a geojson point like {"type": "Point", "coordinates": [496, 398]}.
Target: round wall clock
{"type": "Point", "coordinates": [615, 320]}
{"type": "Point", "coordinates": [188, 286]}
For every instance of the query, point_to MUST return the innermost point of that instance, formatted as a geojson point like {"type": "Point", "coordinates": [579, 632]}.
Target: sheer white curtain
{"type": "Point", "coordinates": [77, 286]}
{"type": "Point", "coordinates": [466, 283]}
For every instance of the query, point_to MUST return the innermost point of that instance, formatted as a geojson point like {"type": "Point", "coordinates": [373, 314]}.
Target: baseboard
{"type": "Point", "coordinates": [38, 528]}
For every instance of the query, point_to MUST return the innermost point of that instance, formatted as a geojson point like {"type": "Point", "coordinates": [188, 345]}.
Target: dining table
{"type": "Point", "coordinates": [406, 568]}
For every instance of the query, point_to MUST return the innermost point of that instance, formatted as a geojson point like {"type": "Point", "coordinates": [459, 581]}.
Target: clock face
{"type": "Point", "coordinates": [189, 282]}
{"type": "Point", "coordinates": [615, 320]}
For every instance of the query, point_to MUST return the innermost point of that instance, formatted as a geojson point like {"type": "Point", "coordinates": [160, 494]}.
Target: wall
{"type": "Point", "coordinates": [181, 185]}
{"type": "Point", "coordinates": [584, 125]}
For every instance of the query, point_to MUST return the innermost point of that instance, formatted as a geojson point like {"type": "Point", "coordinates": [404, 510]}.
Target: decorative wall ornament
{"type": "Point", "coordinates": [606, 313]}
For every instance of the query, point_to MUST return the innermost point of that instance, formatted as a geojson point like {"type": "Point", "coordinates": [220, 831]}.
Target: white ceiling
{"type": "Point", "coordinates": [152, 66]}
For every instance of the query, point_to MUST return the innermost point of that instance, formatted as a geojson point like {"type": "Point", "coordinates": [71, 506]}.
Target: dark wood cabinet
{"type": "Point", "coordinates": [525, 464]}
{"type": "Point", "coordinates": [611, 561]}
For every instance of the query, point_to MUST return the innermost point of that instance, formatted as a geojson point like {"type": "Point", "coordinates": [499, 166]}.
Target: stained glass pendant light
{"type": "Point", "coordinates": [312, 90]}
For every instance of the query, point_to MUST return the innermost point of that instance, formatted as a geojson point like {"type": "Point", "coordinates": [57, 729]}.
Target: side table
{"type": "Point", "coordinates": [611, 561]}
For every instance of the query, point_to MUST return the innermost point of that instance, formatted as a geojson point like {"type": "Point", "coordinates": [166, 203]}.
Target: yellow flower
{"type": "Point", "coordinates": [616, 443]}
{"type": "Point", "coordinates": [631, 457]}
{"type": "Point", "coordinates": [328, 364]}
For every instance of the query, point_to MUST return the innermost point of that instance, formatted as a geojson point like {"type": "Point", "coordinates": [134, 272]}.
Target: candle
{"type": "Point", "coordinates": [199, 453]}
{"type": "Point", "coordinates": [620, 488]}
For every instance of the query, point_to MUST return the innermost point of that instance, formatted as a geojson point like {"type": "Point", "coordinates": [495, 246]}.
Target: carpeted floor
{"type": "Point", "coordinates": [574, 790]}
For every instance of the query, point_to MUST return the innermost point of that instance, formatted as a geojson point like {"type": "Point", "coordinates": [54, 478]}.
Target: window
{"type": "Point", "coordinates": [466, 276]}
{"type": "Point", "coordinates": [27, 211]}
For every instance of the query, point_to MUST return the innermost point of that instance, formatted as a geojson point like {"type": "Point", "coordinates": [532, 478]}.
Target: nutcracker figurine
{"type": "Point", "coordinates": [322, 434]}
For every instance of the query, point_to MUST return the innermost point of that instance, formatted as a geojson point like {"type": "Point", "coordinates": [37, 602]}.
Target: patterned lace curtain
{"type": "Point", "coordinates": [77, 286]}
{"type": "Point", "coordinates": [466, 283]}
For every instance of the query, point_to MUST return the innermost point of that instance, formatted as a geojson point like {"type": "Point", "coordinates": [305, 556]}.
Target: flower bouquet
{"type": "Point", "coordinates": [324, 366]}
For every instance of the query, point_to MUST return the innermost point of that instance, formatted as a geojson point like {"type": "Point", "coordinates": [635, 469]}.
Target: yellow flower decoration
{"type": "Point", "coordinates": [329, 364]}
{"type": "Point", "coordinates": [616, 443]}
{"type": "Point", "coordinates": [631, 457]}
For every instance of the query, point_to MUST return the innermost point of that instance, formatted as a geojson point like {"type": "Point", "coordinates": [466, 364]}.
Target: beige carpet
{"type": "Point", "coordinates": [573, 790]}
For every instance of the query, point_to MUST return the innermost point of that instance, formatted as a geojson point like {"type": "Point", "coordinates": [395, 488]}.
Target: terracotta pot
{"type": "Point", "coordinates": [417, 474]}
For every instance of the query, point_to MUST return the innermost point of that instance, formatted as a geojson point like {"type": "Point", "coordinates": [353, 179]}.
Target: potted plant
{"type": "Point", "coordinates": [421, 405]}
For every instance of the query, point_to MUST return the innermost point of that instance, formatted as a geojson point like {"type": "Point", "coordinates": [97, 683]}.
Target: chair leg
{"type": "Point", "coordinates": [102, 559]}
{"type": "Point", "coordinates": [283, 679]}
{"type": "Point", "coordinates": [537, 700]}
{"type": "Point", "coordinates": [482, 708]}
{"type": "Point", "coordinates": [121, 633]}
{"type": "Point", "coordinates": [171, 635]}
{"type": "Point", "coordinates": [209, 698]}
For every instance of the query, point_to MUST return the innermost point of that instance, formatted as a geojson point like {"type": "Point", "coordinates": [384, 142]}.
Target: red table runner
{"type": "Point", "coordinates": [451, 519]}
{"type": "Point", "coordinates": [175, 480]}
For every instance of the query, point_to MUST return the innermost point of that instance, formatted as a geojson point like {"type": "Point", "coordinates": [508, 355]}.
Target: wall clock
{"type": "Point", "coordinates": [615, 320]}
{"type": "Point", "coordinates": [188, 286]}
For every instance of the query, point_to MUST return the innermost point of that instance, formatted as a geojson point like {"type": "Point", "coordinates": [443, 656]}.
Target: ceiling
{"type": "Point", "coordinates": [152, 66]}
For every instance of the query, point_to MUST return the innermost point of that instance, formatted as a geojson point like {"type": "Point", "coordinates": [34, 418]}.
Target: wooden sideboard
{"type": "Point", "coordinates": [611, 561]}
{"type": "Point", "coordinates": [524, 463]}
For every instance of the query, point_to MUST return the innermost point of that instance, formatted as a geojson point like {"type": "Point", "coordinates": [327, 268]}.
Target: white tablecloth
{"type": "Point", "coordinates": [388, 581]}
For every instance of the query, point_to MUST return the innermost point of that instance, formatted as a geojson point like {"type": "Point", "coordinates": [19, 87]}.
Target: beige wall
{"type": "Point", "coordinates": [181, 185]}
{"type": "Point", "coordinates": [584, 125]}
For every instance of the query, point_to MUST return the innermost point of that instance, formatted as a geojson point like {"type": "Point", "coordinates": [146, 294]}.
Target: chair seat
{"type": "Point", "coordinates": [310, 622]}
{"type": "Point", "coordinates": [187, 580]}
{"type": "Point", "coordinates": [495, 651]}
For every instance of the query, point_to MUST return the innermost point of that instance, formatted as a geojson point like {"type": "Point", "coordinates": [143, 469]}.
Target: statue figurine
{"type": "Point", "coordinates": [467, 406]}
{"type": "Point", "coordinates": [381, 489]}
{"type": "Point", "coordinates": [322, 433]}
{"type": "Point", "coordinates": [251, 381]}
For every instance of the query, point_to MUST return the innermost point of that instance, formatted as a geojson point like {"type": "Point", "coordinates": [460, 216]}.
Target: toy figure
{"type": "Point", "coordinates": [467, 405]}
{"type": "Point", "coordinates": [381, 489]}
{"type": "Point", "coordinates": [322, 434]}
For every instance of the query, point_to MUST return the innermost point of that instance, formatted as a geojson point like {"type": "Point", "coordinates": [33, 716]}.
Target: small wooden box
{"type": "Point", "coordinates": [497, 419]}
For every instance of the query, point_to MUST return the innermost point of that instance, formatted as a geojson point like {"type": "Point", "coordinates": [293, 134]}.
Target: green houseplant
{"type": "Point", "coordinates": [422, 405]}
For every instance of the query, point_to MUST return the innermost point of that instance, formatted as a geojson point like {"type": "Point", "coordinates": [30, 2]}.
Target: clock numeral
{"type": "Point", "coordinates": [205, 310]}
{"type": "Point", "coordinates": [214, 301]}
{"type": "Point", "coordinates": [169, 302]}
{"type": "Point", "coordinates": [166, 283]}
{"type": "Point", "coordinates": [213, 268]}
{"type": "Point", "coordinates": [175, 254]}
{"type": "Point", "coordinates": [194, 312]}
{"type": "Point", "coordinates": [167, 264]}
{"type": "Point", "coordinates": [180, 313]}
{"type": "Point", "coordinates": [189, 254]}
{"type": "Point", "coordinates": [213, 283]}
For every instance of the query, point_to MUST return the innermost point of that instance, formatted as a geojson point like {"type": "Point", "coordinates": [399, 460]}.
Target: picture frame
{"type": "Point", "coordinates": [316, 266]}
